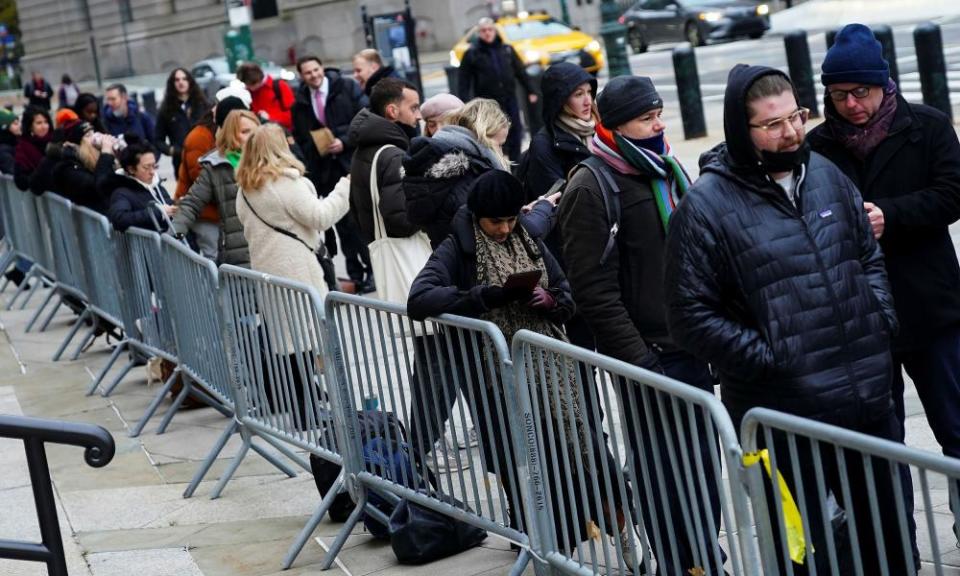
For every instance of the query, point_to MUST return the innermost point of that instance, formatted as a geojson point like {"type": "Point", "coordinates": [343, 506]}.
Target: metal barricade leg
{"type": "Point", "coordinates": [279, 447]}
{"type": "Point", "coordinates": [103, 371]}
{"type": "Point", "coordinates": [344, 533]}
{"type": "Point", "coordinates": [521, 564]}
{"type": "Point", "coordinates": [39, 311]}
{"type": "Point", "coordinates": [87, 338]}
{"type": "Point", "coordinates": [53, 312]}
{"type": "Point", "coordinates": [231, 470]}
{"type": "Point", "coordinates": [73, 332]}
{"type": "Point", "coordinates": [38, 280]}
{"type": "Point", "coordinates": [177, 402]}
{"type": "Point", "coordinates": [21, 288]}
{"type": "Point", "coordinates": [313, 522]}
{"type": "Point", "coordinates": [210, 458]}
{"type": "Point", "coordinates": [152, 408]}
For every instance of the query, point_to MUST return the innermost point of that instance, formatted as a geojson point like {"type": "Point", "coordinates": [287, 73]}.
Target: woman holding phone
{"type": "Point", "coordinates": [491, 268]}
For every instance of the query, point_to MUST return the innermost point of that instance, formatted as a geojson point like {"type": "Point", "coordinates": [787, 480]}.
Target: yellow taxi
{"type": "Point", "coordinates": [540, 40]}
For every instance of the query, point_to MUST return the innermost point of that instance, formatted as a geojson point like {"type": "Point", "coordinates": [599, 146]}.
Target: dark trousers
{"type": "Point", "coordinates": [859, 504]}
{"type": "Point", "coordinates": [355, 252]}
{"type": "Point", "coordinates": [659, 475]}
{"type": "Point", "coordinates": [935, 371]}
{"type": "Point", "coordinates": [514, 142]}
{"type": "Point", "coordinates": [433, 393]}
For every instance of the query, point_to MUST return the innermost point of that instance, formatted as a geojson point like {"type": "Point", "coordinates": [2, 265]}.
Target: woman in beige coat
{"type": "Point", "coordinates": [274, 195]}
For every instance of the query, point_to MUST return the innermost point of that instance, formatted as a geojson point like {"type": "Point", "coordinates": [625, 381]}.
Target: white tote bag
{"type": "Point", "coordinates": [396, 261]}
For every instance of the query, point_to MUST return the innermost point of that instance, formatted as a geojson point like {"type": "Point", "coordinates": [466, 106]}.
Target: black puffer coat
{"type": "Point", "coordinates": [73, 181]}
{"type": "Point", "coordinates": [554, 151]}
{"type": "Point", "coordinates": [438, 172]}
{"type": "Point", "coordinates": [370, 132]}
{"type": "Point", "coordinates": [913, 176]}
{"type": "Point", "coordinates": [448, 282]}
{"type": "Point", "coordinates": [132, 204]}
{"type": "Point", "coordinates": [790, 304]}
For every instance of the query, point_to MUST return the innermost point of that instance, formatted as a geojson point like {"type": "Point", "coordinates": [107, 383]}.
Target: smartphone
{"type": "Point", "coordinates": [527, 280]}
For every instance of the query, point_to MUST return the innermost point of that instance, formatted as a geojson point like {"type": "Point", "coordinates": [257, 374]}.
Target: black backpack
{"type": "Point", "coordinates": [610, 193]}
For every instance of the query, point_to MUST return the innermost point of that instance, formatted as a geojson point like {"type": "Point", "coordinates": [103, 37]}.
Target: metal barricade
{"type": "Point", "coordinates": [99, 262]}
{"type": "Point", "coordinates": [425, 376]}
{"type": "Point", "coordinates": [46, 258]}
{"type": "Point", "coordinates": [191, 291]}
{"type": "Point", "coordinates": [146, 322]}
{"type": "Point", "coordinates": [626, 467]}
{"type": "Point", "coordinates": [845, 498]}
{"type": "Point", "coordinates": [68, 259]}
{"type": "Point", "coordinates": [9, 226]}
{"type": "Point", "coordinates": [276, 346]}
{"type": "Point", "coordinates": [29, 236]}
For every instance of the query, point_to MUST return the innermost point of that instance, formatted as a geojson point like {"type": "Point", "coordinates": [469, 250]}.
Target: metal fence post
{"type": "Point", "coordinates": [801, 70]}
{"type": "Point", "coordinates": [688, 91]}
{"type": "Point", "coordinates": [884, 34]}
{"type": "Point", "coordinates": [932, 67]}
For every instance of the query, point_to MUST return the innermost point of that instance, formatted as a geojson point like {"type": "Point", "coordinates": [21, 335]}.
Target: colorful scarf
{"type": "Point", "coordinates": [861, 140]}
{"type": "Point", "coordinates": [668, 180]}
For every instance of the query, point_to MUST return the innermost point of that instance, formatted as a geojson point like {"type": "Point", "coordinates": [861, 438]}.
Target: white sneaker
{"type": "Point", "coordinates": [629, 551]}
{"type": "Point", "coordinates": [446, 460]}
{"type": "Point", "coordinates": [463, 441]}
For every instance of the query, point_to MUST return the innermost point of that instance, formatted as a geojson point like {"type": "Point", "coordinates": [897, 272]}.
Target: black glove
{"type": "Point", "coordinates": [498, 296]}
{"type": "Point", "coordinates": [651, 362]}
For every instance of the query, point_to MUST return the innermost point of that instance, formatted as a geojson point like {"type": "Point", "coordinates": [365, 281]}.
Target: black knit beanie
{"type": "Point", "coordinates": [495, 194]}
{"type": "Point", "coordinates": [625, 98]}
{"type": "Point", "coordinates": [225, 107]}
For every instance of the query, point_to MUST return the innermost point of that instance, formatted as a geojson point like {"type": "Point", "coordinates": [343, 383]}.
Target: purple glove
{"type": "Point", "coordinates": [542, 300]}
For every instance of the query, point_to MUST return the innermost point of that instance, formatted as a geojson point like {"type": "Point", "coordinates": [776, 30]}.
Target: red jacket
{"type": "Point", "coordinates": [265, 100]}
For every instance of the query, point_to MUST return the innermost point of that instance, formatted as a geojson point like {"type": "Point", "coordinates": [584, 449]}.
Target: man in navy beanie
{"type": "Point", "coordinates": [905, 159]}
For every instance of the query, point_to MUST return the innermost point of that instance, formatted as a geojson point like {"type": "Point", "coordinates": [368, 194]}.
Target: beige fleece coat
{"type": "Point", "coordinates": [291, 203]}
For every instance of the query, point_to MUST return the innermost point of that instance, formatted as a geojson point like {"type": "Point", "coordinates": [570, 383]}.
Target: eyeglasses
{"type": "Point", "coordinates": [860, 92]}
{"type": "Point", "coordinates": [148, 167]}
{"type": "Point", "coordinates": [775, 128]}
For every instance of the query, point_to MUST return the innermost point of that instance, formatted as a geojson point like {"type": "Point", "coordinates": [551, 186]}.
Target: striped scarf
{"type": "Point", "coordinates": [668, 180]}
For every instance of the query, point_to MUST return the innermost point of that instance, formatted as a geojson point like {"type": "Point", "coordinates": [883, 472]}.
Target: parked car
{"type": "Point", "coordinates": [213, 74]}
{"type": "Point", "coordinates": [694, 21]}
{"type": "Point", "coordinates": [540, 41]}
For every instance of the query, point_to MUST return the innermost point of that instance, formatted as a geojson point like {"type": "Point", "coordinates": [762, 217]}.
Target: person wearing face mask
{"type": "Point", "coordinates": [618, 287]}
{"type": "Point", "coordinates": [774, 277]}
{"type": "Point", "coordinates": [138, 197]}
{"type": "Point", "coordinates": [390, 123]}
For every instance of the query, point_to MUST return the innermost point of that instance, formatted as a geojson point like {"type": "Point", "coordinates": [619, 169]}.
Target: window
{"type": "Point", "coordinates": [126, 12]}
{"type": "Point", "coordinates": [265, 9]}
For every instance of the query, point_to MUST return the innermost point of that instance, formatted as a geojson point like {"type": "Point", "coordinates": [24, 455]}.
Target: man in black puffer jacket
{"type": "Point", "coordinates": [774, 277]}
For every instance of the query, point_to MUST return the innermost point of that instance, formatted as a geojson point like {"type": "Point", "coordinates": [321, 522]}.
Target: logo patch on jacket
{"type": "Point", "coordinates": [826, 213]}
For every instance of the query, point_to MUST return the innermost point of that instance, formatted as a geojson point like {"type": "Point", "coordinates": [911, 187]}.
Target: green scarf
{"type": "Point", "coordinates": [233, 157]}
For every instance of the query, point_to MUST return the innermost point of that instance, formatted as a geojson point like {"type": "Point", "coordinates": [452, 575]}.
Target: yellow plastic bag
{"type": "Point", "coordinates": [793, 524]}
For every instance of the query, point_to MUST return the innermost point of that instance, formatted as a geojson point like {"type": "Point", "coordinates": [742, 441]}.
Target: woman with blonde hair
{"type": "Point", "coordinates": [438, 170]}
{"type": "Point", "coordinates": [217, 184]}
{"type": "Point", "coordinates": [283, 219]}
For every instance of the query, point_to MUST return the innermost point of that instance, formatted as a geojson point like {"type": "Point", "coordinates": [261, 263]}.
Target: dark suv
{"type": "Point", "coordinates": [694, 21]}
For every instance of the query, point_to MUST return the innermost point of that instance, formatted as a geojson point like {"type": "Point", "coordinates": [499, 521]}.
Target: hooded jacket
{"type": "Point", "coordinates": [171, 130]}
{"type": "Point", "coordinates": [343, 102]}
{"type": "Point", "coordinates": [137, 122]}
{"type": "Point", "coordinates": [369, 132]}
{"type": "Point", "coordinates": [438, 172]}
{"type": "Point", "coordinates": [72, 180]}
{"type": "Point", "coordinates": [481, 77]}
{"type": "Point", "coordinates": [913, 176]}
{"type": "Point", "coordinates": [383, 72]}
{"type": "Point", "coordinates": [790, 304]}
{"type": "Point", "coordinates": [448, 282]}
{"type": "Point", "coordinates": [554, 151]}
{"type": "Point", "coordinates": [134, 204]}
{"type": "Point", "coordinates": [217, 184]}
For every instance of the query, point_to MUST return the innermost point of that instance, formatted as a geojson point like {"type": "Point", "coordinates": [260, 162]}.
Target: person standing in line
{"type": "Point", "coordinates": [217, 184]}
{"type": "Point", "coordinates": [38, 91]}
{"type": "Point", "coordinates": [905, 160]}
{"type": "Point", "coordinates": [199, 141]}
{"type": "Point", "coordinates": [137, 196]}
{"type": "Point", "coordinates": [9, 135]}
{"type": "Point", "coordinates": [87, 108]}
{"type": "Point", "coordinates": [325, 105]}
{"type": "Point", "coordinates": [391, 121]}
{"type": "Point", "coordinates": [67, 93]}
{"type": "Point", "coordinates": [368, 69]}
{"type": "Point", "coordinates": [182, 107]}
{"type": "Point", "coordinates": [272, 97]}
{"type": "Point", "coordinates": [32, 146]}
{"type": "Point", "coordinates": [491, 69]}
{"type": "Point", "coordinates": [121, 115]}
{"type": "Point", "coordinates": [617, 281]}
{"type": "Point", "coordinates": [436, 112]}
{"type": "Point", "coordinates": [774, 277]}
